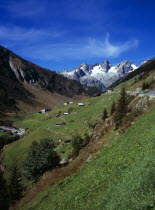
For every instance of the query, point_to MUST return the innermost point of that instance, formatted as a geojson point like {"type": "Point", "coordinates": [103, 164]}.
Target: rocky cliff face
{"type": "Point", "coordinates": [36, 76]}
{"type": "Point", "coordinates": [100, 75]}
{"type": "Point", "coordinates": [16, 72]}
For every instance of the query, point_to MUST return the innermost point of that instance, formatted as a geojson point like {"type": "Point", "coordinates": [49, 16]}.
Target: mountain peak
{"type": "Point", "coordinates": [106, 65]}
{"type": "Point", "coordinates": [104, 73]}
{"type": "Point", "coordinates": [105, 61]}
{"type": "Point", "coordinates": [64, 71]}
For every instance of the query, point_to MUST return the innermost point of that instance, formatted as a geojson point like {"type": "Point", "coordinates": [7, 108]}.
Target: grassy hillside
{"type": "Point", "coordinates": [118, 177]}
{"type": "Point", "coordinates": [121, 177]}
{"type": "Point", "coordinates": [136, 82]}
{"type": "Point", "coordinates": [80, 121]}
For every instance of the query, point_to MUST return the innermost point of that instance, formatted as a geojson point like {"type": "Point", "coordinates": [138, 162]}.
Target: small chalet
{"type": "Point", "coordinates": [66, 113]}
{"type": "Point", "coordinates": [45, 110]}
{"type": "Point", "coordinates": [80, 104]}
{"type": "Point", "coordinates": [71, 102]}
{"type": "Point", "coordinates": [64, 161]}
{"type": "Point", "coordinates": [66, 103]}
{"type": "Point", "coordinates": [60, 123]}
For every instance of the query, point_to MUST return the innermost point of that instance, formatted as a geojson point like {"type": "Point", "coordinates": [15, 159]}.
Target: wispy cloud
{"type": "Point", "coordinates": [31, 35]}
{"type": "Point", "coordinates": [45, 45]}
{"type": "Point", "coordinates": [108, 49]}
{"type": "Point", "coordinates": [91, 48]}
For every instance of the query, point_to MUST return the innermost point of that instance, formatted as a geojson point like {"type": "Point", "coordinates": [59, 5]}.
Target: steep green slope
{"type": "Point", "coordinates": [38, 126]}
{"type": "Point", "coordinates": [144, 69]}
{"type": "Point", "coordinates": [136, 83]}
{"type": "Point", "coordinates": [121, 177]}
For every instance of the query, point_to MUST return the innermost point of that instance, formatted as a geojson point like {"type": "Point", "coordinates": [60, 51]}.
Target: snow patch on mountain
{"type": "Point", "coordinates": [99, 75]}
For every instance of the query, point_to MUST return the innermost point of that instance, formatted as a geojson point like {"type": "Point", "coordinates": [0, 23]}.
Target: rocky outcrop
{"type": "Point", "coordinates": [16, 72]}
{"type": "Point", "coordinates": [99, 75]}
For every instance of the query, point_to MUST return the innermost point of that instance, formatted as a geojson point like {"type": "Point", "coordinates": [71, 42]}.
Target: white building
{"type": "Point", "coordinates": [80, 104]}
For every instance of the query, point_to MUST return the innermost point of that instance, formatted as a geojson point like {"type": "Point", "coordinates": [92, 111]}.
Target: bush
{"type": "Point", "coordinates": [41, 158]}
{"type": "Point", "coordinates": [78, 143]}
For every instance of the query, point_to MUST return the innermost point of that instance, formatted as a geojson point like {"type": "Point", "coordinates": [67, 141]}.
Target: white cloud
{"type": "Point", "coordinates": [37, 43]}
{"type": "Point", "coordinates": [91, 48]}
{"type": "Point", "coordinates": [32, 35]}
{"type": "Point", "coordinates": [107, 49]}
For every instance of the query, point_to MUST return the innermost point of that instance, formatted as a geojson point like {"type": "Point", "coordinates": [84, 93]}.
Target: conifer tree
{"type": "Point", "coordinates": [113, 108]}
{"type": "Point", "coordinates": [105, 114]}
{"type": "Point", "coordinates": [143, 86]}
{"type": "Point", "coordinates": [16, 187]}
{"type": "Point", "coordinates": [147, 85]}
{"type": "Point", "coordinates": [121, 108]}
{"type": "Point", "coordinates": [4, 198]}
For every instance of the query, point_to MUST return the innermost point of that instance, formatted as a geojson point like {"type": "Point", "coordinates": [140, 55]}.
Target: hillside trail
{"type": "Point", "coordinates": [57, 133]}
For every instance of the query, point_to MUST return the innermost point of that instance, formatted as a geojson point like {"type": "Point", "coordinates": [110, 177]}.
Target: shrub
{"type": "Point", "coordinates": [41, 158]}
{"type": "Point", "coordinates": [79, 142]}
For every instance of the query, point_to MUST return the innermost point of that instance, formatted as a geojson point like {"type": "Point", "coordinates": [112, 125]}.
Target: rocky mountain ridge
{"type": "Point", "coordinates": [19, 77]}
{"type": "Point", "coordinates": [100, 75]}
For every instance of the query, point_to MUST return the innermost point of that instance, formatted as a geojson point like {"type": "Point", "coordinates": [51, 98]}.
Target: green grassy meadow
{"type": "Point", "coordinates": [39, 126]}
{"type": "Point", "coordinates": [121, 177]}
{"type": "Point", "coordinates": [131, 85]}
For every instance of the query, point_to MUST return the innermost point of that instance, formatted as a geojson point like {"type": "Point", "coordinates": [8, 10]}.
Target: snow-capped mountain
{"type": "Point", "coordinates": [100, 75]}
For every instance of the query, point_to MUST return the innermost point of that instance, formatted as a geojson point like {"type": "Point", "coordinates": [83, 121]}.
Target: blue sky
{"type": "Point", "coordinates": [58, 34]}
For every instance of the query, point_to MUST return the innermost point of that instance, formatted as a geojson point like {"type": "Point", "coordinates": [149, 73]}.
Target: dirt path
{"type": "Point", "coordinates": [58, 133]}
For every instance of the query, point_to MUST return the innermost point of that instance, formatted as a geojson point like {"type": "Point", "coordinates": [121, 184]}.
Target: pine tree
{"type": "Point", "coordinates": [143, 86]}
{"type": "Point", "coordinates": [147, 85]}
{"type": "Point", "coordinates": [113, 108]}
{"type": "Point", "coordinates": [121, 108]}
{"type": "Point", "coordinates": [105, 114]}
{"type": "Point", "coordinates": [4, 198]}
{"type": "Point", "coordinates": [16, 187]}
